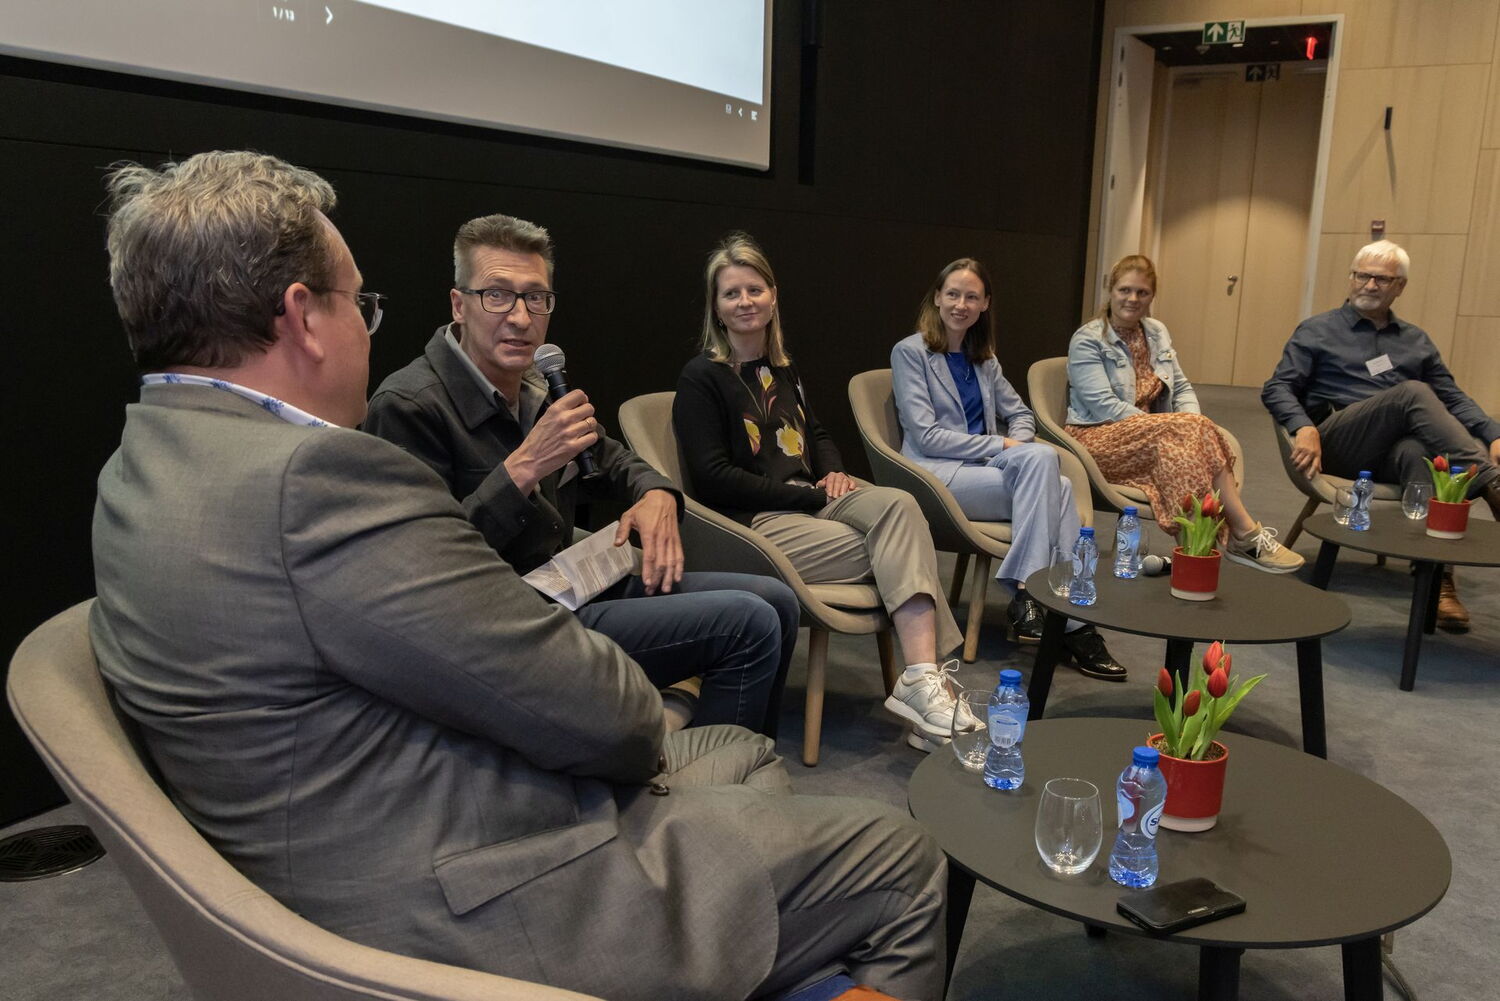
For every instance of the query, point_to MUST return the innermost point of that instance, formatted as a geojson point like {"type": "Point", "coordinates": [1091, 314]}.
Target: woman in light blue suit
{"type": "Point", "coordinates": [962, 420]}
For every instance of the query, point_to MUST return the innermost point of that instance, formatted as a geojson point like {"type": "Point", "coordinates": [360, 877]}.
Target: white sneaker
{"type": "Point", "coordinates": [927, 701]}
{"type": "Point", "coordinates": [919, 740]}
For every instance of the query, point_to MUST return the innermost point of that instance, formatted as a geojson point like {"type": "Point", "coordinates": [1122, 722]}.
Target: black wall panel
{"type": "Point", "coordinates": [940, 129]}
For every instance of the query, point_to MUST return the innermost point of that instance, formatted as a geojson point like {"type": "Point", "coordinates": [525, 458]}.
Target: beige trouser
{"type": "Point", "coordinates": [871, 534]}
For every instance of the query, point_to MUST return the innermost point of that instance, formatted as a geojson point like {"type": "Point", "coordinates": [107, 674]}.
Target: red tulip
{"type": "Point", "coordinates": [1186, 504]}
{"type": "Point", "coordinates": [1190, 704]}
{"type": "Point", "coordinates": [1164, 682]}
{"type": "Point", "coordinates": [1226, 665]}
{"type": "Point", "coordinates": [1440, 463]}
{"type": "Point", "coordinates": [1210, 506]}
{"type": "Point", "coordinates": [1218, 683]}
{"type": "Point", "coordinates": [1213, 656]}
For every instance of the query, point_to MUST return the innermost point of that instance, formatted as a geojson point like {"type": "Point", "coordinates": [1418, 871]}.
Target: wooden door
{"type": "Point", "coordinates": [1205, 212]}
{"type": "Point", "coordinates": [1281, 190]}
{"type": "Point", "coordinates": [1237, 182]}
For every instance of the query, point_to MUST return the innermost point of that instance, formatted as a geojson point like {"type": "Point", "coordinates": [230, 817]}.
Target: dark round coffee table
{"type": "Point", "coordinates": [1406, 539]}
{"type": "Point", "coordinates": [1251, 607]}
{"type": "Point", "coordinates": [1321, 855]}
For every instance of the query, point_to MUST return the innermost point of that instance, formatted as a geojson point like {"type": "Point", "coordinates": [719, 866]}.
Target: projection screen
{"type": "Point", "coordinates": [683, 77]}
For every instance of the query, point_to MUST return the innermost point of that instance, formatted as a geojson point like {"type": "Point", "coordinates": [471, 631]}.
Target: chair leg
{"type": "Point", "coordinates": [817, 665]}
{"type": "Point", "coordinates": [889, 669]}
{"type": "Point", "coordinates": [976, 606]}
{"type": "Point", "coordinates": [960, 567]}
{"type": "Point", "coordinates": [1296, 530]}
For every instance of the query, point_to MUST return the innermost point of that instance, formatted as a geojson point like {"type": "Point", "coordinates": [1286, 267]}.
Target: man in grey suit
{"type": "Point", "coordinates": [369, 714]}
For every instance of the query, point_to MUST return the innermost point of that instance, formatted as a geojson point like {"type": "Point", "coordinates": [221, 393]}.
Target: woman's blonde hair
{"type": "Point", "coordinates": [737, 250]}
{"type": "Point", "coordinates": [1130, 262]}
{"type": "Point", "coordinates": [979, 340]}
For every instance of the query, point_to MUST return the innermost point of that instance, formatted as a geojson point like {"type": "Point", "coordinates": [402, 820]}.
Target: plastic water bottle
{"type": "Point", "coordinates": [1140, 796]}
{"type": "Point", "coordinates": [1128, 545]}
{"type": "Point", "coordinates": [1359, 511]}
{"type": "Point", "coordinates": [1081, 588]}
{"type": "Point", "coordinates": [1009, 707]}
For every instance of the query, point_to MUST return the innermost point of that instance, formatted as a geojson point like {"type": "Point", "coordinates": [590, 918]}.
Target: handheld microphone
{"type": "Point", "coordinates": [1155, 566]}
{"type": "Point", "coordinates": [551, 363]}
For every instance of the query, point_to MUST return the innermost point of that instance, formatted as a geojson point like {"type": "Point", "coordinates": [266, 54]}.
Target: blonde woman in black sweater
{"type": "Point", "coordinates": [755, 452]}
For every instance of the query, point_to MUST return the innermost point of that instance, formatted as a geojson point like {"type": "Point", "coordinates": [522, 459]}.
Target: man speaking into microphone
{"type": "Point", "coordinates": [473, 408]}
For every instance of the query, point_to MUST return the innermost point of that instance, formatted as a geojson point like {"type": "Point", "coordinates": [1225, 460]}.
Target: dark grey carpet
{"type": "Point", "coordinates": [82, 935]}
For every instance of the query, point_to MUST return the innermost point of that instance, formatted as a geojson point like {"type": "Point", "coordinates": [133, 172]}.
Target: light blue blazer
{"type": "Point", "coordinates": [935, 432]}
{"type": "Point", "coordinates": [1101, 377]}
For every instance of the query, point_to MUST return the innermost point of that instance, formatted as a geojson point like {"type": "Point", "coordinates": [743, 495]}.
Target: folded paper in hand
{"type": "Point", "coordinates": [580, 573]}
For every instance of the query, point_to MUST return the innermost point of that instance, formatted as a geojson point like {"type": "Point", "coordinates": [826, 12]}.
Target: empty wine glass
{"type": "Point", "coordinates": [971, 736]}
{"type": "Point", "coordinates": [1060, 570]}
{"type": "Point", "coordinates": [1069, 826]}
{"type": "Point", "coordinates": [1414, 499]}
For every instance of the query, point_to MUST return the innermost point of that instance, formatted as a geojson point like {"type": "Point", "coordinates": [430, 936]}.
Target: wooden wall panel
{"type": "Point", "coordinates": [1482, 264]}
{"type": "Point", "coordinates": [1476, 340]}
{"type": "Point", "coordinates": [1431, 297]}
{"type": "Point", "coordinates": [1419, 176]}
{"type": "Point", "coordinates": [1379, 34]}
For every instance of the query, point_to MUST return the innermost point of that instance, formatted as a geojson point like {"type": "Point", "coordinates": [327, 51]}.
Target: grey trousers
{"type": "Point", "coordinates": [859, 886]}
{"type": "Point", "coordinates": [871, 534]}
{"type": "Point", "coordinates": [1391, 432]}
{"type": "Point", "coordinates": [1021, 485]}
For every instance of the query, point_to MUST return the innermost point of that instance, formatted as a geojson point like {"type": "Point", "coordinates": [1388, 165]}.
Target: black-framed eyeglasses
{"type": "Point", "coordinates": [539, 302]}
{"type": "Point", "coordinates": [369, 304]}
{"type": "Point", "coordinates": [1363, 278]}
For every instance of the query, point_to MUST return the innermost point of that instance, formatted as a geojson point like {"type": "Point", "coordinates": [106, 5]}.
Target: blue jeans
{"type": "Point", "coordinates": [736, 631]}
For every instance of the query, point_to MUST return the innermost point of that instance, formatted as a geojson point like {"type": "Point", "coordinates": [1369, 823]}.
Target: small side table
{"type": "Point", "coordinates": [1251, 607]}
{"type": "Point", "coordinates": [1322, 856]}
{"type": "Point", "coordinates": [1406, 539]}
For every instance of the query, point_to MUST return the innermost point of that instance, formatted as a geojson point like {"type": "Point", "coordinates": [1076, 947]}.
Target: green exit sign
{"type": "Point", "coordinates": [1223, 32]}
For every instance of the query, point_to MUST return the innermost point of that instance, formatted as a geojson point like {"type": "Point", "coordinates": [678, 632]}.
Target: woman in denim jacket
{"type": "Point", "coordinates": [1132, 407]}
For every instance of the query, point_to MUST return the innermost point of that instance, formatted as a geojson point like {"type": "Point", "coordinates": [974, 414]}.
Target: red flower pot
{"type": "Point", "coordinates": [1195, 578]}
{"type": "Point", "coordinates": [1195, 789]}
{"type": "Point", "coordinates": [1446, 520]}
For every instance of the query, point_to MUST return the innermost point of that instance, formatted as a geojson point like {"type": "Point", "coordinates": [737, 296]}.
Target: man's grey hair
{"type": "Point", "coordinates": [503, 231]}
{"type": "Point", "coordinates": [1383, 252]}
{"type": "Point", "coordinates": [202, 251]}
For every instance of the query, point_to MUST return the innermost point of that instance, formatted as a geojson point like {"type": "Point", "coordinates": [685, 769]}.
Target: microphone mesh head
{"type": "Point", "coordinates": [549, 358]}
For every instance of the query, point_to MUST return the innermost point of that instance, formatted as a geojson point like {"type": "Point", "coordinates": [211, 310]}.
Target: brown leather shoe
{"type": "Point", "coordinates": [1491, 497]}
{"type": "Point", "coordinates": [1452, 616]}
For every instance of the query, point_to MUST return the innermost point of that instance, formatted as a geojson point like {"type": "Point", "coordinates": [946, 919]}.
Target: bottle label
{"type": "Point", "coordinates": [1124, 808]}
{"type": "Point", "coordinates": [1152, 820]}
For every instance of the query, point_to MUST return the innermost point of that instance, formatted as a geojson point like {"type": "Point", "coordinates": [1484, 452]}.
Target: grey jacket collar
{"type": "Point", "coordinates": [473, 404]}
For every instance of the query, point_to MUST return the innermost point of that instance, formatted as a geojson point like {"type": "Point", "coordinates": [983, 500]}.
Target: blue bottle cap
{"type": "Point", "coordinates": [1131, 510]}
{"type": "Point", "coordinates": [1087, 530]}
{"type": "Point", "coordinates": [1010, 676]}
{"type": "Point", "coordinates": [1365, 474]}
{"type": "Point", "coordinates": [1455, 470]}
{"type": "Point", "coordinates": [1145, 757]}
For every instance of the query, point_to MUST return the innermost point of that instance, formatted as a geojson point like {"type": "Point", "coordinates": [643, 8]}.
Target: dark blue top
{"type": "Point", "coordinates": [968, 390]}
{"type": "Point", "coordinates": [1324, 364]}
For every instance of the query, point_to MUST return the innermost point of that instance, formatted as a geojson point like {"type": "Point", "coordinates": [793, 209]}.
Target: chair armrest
{"type": "Point", "coordinates": [1083, 498]}
{"type": "Point", "coordinates": [713, 542]}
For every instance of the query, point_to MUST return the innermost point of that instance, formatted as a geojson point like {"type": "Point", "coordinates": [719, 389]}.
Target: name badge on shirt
{"type": "Point", "coordinates": [1380, 364]}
